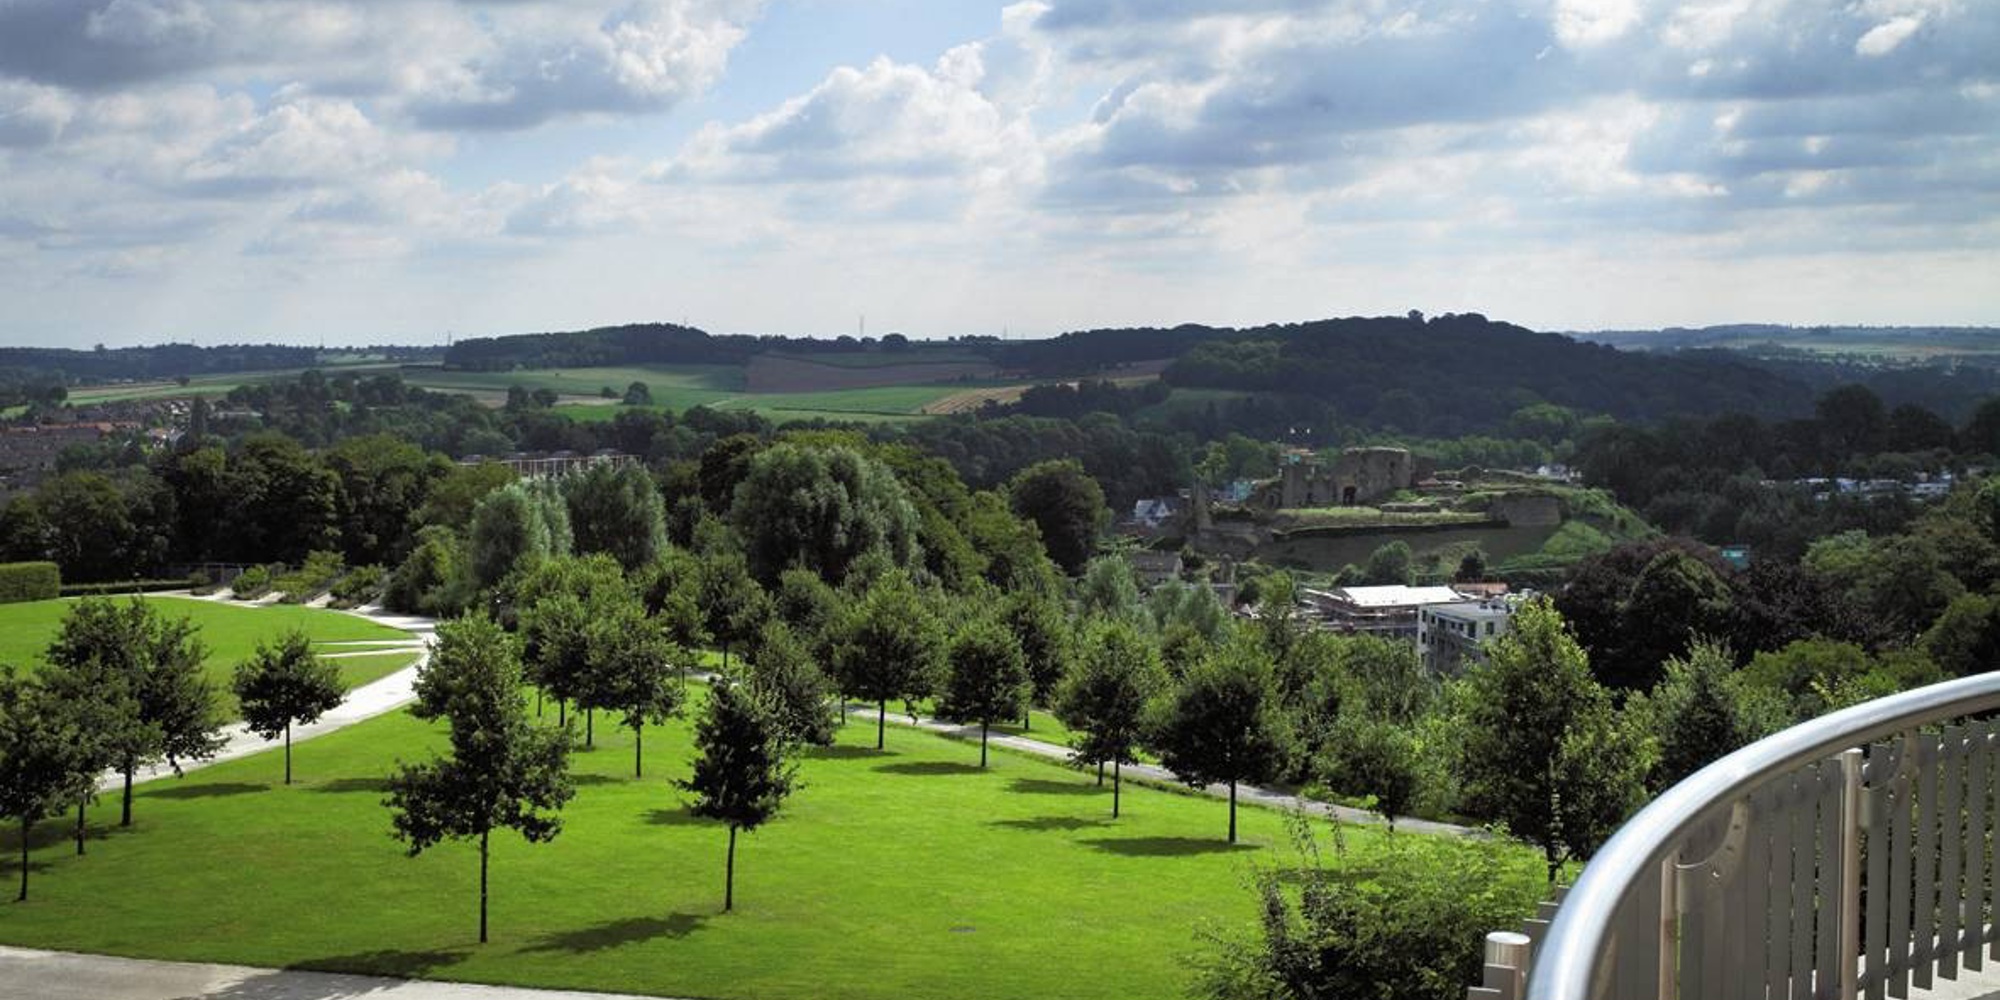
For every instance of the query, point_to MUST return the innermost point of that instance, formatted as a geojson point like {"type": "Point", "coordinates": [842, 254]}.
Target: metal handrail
{"type": "Point", "coordinates": [1566, 967]}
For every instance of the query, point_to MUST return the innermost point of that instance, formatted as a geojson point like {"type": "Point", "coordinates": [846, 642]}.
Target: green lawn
{"type": "Point", "coordinates": [897, 874]}
{"type": "Point", "coordinates": [359, 670]}
{"type": "Point", "coordinates": [231, 632]}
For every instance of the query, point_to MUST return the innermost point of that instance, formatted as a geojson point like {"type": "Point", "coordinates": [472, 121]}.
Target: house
{"type": "Point", "coordinates": [1155, 568]}
{"type": "Point", "coordinates": [1452, 636]}
{"type": "Point", "coordinates": [1152, 512]}
{"type": "Point", "coordinates": [1388, 610]}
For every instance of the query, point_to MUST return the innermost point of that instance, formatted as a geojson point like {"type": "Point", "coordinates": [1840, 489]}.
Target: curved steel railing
{"type": "Point", "coordinates": [1628, 889]}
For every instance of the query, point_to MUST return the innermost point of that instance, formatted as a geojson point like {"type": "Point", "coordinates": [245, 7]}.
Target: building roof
{"type": "Point", "coordinates": [1475, 611]}
{"type": "Point", "coordinates": [1396, 596]}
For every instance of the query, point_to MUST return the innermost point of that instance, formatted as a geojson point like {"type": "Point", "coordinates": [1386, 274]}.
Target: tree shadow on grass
{"type": "Point", "coordinates": [1166, 847]}
{"type": "Point", "coordinates": [618, 933]}
{"type": "Point", "coordinates": [596, 779]}
{"type": "Point", "coordinates": [49, 833]}
{"type": "Point", "coordinates": [387, 962]}
{"type": "Point", "coordinates": [205, 790]}
{"type": "Point", "coordinates": [342, 785]}
{"type": "Point", "coordinates": [1051, 823]}
{"type": "Point", "coordinates": [845, 753]}
{"type": "Point", "coordinates": [1043, 786]}
{"type": "Point", "coordinates": [929, 767]}
{"type": "Point", "coordinates": [678, 816]}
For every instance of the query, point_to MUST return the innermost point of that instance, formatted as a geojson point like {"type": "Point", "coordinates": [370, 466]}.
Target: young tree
{"type": "Point", "coordinates": [556, 646]}
{"type": "Point", "coordinates": [987, 679]}
{"type": "Point", "coordinates": [503, 773]}
{"type": "Point", "coordinates": [785, 672]}
{"type": "Point", "coordinates": [1039, 625]}
{"type": "Point", "coordinates": [1374, 757]}
{"type": "Point", "coordinates": [632, 668]}
{"type": "Point", "coordinates": [1107, 696]}
{"type": "Point", "coordinates": [148, 669]}
{"type": "Point", "coordinates": [286, 684]}
{"type": "Point", "coordinates": [1697, 712]}
{"type": "Point", "coordinates": [1109, 589]}
{"type": "Point", "coordinates": [1224, 723]}
{"type": "Point", "coordinates": [890, 647]}
{"type": "Point", "coordinates": [733, 607]}
{"type": "Point", "coordinates": [741, 774]}
{"type": "Point", "coordinates": [42, 764]}
{"type": "Point", "coordinates": [1545, 752]}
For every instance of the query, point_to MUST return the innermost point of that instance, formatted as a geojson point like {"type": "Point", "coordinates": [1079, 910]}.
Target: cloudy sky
{"type": "Point", "coordinates": [376, 170]}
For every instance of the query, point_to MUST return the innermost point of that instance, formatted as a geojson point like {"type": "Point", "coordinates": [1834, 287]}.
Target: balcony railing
{"type": "Point", "coordinates": [1849, 856]}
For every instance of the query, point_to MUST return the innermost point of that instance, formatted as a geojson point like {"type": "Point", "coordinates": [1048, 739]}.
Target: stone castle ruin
{"type": "Point", "coordinates": [1360, 477]}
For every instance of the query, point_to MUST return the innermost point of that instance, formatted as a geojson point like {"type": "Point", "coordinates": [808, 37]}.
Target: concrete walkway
{"type": "Point", "coordinates": [365, 702]}
{"type": "Point", "coordinates": [31, 974]}
{"type": "Point", "coordinates": [1153, 774]}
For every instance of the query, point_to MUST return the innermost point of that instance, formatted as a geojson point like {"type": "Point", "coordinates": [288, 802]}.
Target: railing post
{"type": "Point", "coordinates": [1670, 928]}
{"type": "Point", "coordinates": [1849, 913]}
{"type": "Point", "coordinates": [1512, 952]}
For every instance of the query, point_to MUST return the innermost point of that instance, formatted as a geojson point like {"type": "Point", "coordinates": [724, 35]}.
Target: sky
{"type": "Point", "coordinates": [377, 171]}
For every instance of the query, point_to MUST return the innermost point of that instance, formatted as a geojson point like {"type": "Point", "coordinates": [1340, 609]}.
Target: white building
{"type": "Point", "coordinates": [1390, 610]}
{"type": "Point", "coordinates": [1451, 635]}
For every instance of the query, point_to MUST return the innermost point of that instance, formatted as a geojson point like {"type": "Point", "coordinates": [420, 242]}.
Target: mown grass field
{"type": "Point", "coordinates": [893, 874]}
{"type": "Point", "coordinates": [230, 631]}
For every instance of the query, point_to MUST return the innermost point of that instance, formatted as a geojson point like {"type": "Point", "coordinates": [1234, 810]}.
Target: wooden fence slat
{"type": "Point", "coordinates": [1876, 806]}
{"type": "Point", "coordinates": [1804, 828]}
{"type": "Point", "coordinates": [1826, 949]}
{"type": "Point", "coordinates": [1971, 920]}
{"type": "Point", "coordinates": [1778, 946]}
{"type": "Point", "coordinates": [1951, 841]}
{"type": "Point", "coordinates": [1924, 857]}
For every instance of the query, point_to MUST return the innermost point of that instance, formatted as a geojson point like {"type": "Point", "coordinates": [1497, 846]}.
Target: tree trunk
{"type": "Point", "coordinates": [729, 875]}
{"type": "Point", "coordinates": [1027, 716]}
{"type": "Point", "coordinates": [538, 702]}
{"type": "Point", "coordinates": [1554, 862]}
{"type": "Point", "coordinates": [288, 751]}
{"type": "Point", "coordinates": [1116, 787]}
{"type": "Point", "coordinates": [1100, 774]}
{"type": "Point", "coordinates": [483, 835]}
{"type": "Point", "coordinates": [23, 897]}
{"type": "Point", "coordinates": [562, 711]}
{"type": "Point", "coordinates": [881, 721]}
{"type": "Point", "coordinates": [638, 750]}
{"type": "Point", "coordinates": [589, 728]}
{"type": "Point", "coordinates": [1232, 810]}
{"type": "Point", "coordinates": [80, 803]}
{"type": "Point", "coordinates": [982, 744]}
{"type": "Point", "coordinates": [126, 818]}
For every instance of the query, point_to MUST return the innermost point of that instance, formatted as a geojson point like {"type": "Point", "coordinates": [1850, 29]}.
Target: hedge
{"type": "Point", "coordinates": [29, 581]}
{"type": "Point", "coordinates": [125, 587]}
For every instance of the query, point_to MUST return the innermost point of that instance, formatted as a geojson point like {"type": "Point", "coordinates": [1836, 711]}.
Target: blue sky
{"type": "Point", "coordinates": [359, 171]}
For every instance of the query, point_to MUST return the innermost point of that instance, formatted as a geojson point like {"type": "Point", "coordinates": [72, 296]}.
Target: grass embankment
{"type": "Point", "coordinates": [230, 631]}
{"type": "Point", "coordinates": [895, 874]}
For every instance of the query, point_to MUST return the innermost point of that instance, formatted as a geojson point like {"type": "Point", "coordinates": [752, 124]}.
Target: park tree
{"type": "Point", "coordinates": [1965, 639]}
{"type": "Point", "coordinates": [148, 667]}
{"type": "Point", "coordinates": [1193, 605]}
{"type": "Point", "coordinates": [633, 667]}
{"type": "Point", "coordinates": [383, 478]}
{"type": "Point", "coordinates": [820, 508]}
{"type": "Point", "coordinates": [286, 684]}
{"type": "Point", "coordinates": [1065, 504]}
{"type": "Point", "coordinates": [890, 646]}
{"type": "Point", "coordinates": [556, 648]}
{"type": "Point", "coordinates": [515, 527]}
{"type": "Point", "coordinates": [1012, 547]}
{"type": "Point", "coordinates": [435, 580]}
{"type": "Point", "coordinates": [1675, 598]}
{"type": "Point", "coordinates": [454, 496]}
{"type": "Point", "coordinates": [43, 767]}
{"type": "Point", "coordinates": [1117, 675]}
{"type": "Point", "coordinates": [1545, 752]}
{"type": "Point", "coordinates": [804, 602]}
{"type": "Point", "coordinates": [1373, 757]}
{"type": "Point", "coordinates": [789, 677]}
{"type": "Point", "coordinates": [741, 771]}
{"type": "Point", "coordinates": [1041, 628]}
{"type": "Point", "coordinates": [1224, 723]}
{"type": "Point", "coordinates": [503, 773]}
{"type": "Point", "coordinates": [1110, 589]}
{"type": "Point", "coordinates": [616, 509]}
{"type": "Point", "coordinates": [986, 677]}
{"type": "Point", "coordinates": [733, 606]}
{"type": "Point", "coordinates": [1697, 712]}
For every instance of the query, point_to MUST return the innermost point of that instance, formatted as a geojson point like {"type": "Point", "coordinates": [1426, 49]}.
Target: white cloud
{"type": "Point", "coordinates": [1883, 38]}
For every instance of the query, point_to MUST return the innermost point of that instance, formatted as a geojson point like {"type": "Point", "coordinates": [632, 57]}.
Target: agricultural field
{"type": "Point", "coordinates": [673, 386]}
{"type": "Point", "coordinates": [777, 373]}
{"type": "Point", "coordinates": [230, 631]}
{"type": "Point", "coordinates": [897, 873]}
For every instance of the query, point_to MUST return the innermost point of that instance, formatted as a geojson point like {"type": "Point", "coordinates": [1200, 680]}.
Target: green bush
{"type": "Point", "coordinates": [29, 581]}
{"type": "Point", "coordinates": [1408, 925]}
{"type": "Point", "coordinates": [361, 585]}
{"type": "Point", "coordinates": [252, 582]}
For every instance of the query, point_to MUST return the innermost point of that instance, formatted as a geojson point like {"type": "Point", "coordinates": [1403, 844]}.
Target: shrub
{"type": "Point", "coordinates": [29, 581]}
{"type": "Point", "coordinates": [361, 585]}
{"type": "Point", "coordinates": [252, 582]}
{"type": "Point", "coordinates": [1408, 925]}
{"type": "Point", "coordinates": [122, 587]}
{"type": "Point", "coordinates": [200, 582]}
